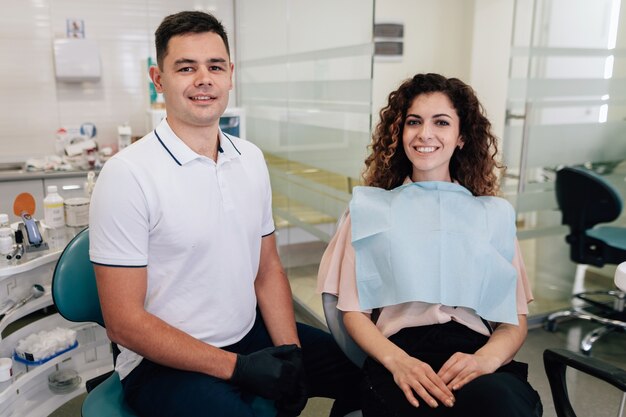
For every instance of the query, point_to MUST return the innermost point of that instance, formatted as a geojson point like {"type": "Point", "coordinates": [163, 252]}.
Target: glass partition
{"type": "Point", "coordinates": [304, 78]}
{"type": "Point", "coordinates": [566, 106]}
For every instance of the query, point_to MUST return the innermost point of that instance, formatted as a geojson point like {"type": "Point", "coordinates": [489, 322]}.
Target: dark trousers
{"type": "Point", "coordinates": [505, 393]}
{"type": "Point", "coordinates": [154, 390]}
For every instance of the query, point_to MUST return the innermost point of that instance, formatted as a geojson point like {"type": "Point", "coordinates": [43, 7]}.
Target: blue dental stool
{"type": "Point", "coordinates": [76, 297]}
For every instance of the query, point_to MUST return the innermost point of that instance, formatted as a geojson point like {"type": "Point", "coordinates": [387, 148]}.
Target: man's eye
{"type": "Point", "coordinates": [185, 69]}
{"type": "Point", "coordinates": [215, 68]}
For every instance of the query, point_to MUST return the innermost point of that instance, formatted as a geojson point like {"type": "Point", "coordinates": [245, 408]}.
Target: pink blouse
{"type": "Point", "coordinates": [337, 275]}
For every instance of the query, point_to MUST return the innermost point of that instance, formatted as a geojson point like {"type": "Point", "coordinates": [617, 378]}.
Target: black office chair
{"type": "Point", "coordinates": [586, 200]}
{"type": "Point", "coordinates": [556, 362]}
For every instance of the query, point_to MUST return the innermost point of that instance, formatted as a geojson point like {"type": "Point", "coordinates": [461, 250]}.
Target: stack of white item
{"type": "Point", "coordinates": [45, 344]}
{"type": "Point", "coordinates": [48, 163]}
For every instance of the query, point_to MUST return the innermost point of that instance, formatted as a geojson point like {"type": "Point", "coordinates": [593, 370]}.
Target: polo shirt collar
{"type": "Point", "coordinates": [182, 154]}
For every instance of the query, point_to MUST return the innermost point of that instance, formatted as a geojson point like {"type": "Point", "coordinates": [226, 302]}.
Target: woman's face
{"type": "Point", "coordinates": [431, 134]}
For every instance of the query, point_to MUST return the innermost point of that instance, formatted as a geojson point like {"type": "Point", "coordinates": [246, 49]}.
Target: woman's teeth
{"type": "Point", "coordinates": [425, 149]}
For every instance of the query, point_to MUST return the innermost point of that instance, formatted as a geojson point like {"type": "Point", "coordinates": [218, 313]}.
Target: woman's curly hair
{"type": "Point", "coordinates": [474, 166]}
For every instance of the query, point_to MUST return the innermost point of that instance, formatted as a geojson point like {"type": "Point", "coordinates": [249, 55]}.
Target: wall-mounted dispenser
{"type": "Point", "coordinates": [388, 41]}
{"type": "Point", "coordinates": [76, 60]}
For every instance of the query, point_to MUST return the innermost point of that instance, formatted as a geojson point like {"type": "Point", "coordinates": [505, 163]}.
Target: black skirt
{"type": "Point", "coordinates": [505, 393]}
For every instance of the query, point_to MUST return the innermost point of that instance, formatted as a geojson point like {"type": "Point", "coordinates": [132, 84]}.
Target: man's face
{"type": "Point", "coordinates": [195, 79]}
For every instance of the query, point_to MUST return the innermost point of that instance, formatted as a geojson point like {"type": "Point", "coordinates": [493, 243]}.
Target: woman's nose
{"type": "Point", "coordinates": [425, 132]}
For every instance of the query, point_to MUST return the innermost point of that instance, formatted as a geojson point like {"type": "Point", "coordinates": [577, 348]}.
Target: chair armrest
{"type": "Point", "coordinates": [95, 381]}
{"type": "Point", "coordinates": [557, 360]}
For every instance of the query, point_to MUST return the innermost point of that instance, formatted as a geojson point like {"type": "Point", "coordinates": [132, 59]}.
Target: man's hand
{"type": "Point", "coordinates": [292, 404]}
{"type": "Point", "coordinates": [268, 373]}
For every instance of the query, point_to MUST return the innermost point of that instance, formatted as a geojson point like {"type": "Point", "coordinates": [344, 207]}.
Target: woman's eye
{"type": "Point", "coordinates": [443, 123]}
{"type": "Point", "coordinates": [412, 122]}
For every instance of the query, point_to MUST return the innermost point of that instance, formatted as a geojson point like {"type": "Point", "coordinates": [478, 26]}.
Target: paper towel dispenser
{"type": "Point", "coordinates": [76, 60]}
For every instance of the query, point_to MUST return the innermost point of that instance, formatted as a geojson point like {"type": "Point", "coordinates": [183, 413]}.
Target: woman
{"type": "Point", "coordinates": [426, 266]}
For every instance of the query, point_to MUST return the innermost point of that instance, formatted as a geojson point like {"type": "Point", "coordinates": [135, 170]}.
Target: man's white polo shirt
{"type": "Point", "coordinates": [196, 224]}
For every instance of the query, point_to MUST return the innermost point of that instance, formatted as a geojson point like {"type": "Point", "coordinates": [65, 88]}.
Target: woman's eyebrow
{"type": "Point", "coordinates": [434, 115]}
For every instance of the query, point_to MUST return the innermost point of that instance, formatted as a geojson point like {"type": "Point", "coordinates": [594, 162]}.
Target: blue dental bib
{"type": "Point", "coordinates": [435, 242]}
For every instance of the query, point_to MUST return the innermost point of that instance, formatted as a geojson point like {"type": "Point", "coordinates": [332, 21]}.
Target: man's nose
{"type": "Point", "coordinates": [203, 77]}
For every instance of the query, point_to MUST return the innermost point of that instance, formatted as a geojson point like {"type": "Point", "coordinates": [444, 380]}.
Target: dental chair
{"type": "Point", "coordinates": [334, 320]}
{"type": "Point", "coordinates": [586, 200]}
{"type": "Point", "coordinates": [76, 297]}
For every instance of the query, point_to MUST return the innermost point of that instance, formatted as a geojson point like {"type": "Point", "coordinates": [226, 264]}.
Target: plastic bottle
{"type": "Point", "coordinates": [6, 235]}
{"type": "Point", "coordinates": [124, 136]}
{"type": "Point", "coordinates": [90, 184]}
{"type": "Point", "coordinates": [53, 208]}
{"type": "Point", "coordinates": [61, 141]}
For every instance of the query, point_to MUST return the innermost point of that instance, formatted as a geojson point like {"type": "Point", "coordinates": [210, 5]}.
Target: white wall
{"type": "Point", "coordinates": [33, 105]}
{"type": "Point", "coordinates": [437, 38]}
{"type": "Point", "coordinates": [491, 48]}
{"type": "Point", "coordinates": [469, 40]}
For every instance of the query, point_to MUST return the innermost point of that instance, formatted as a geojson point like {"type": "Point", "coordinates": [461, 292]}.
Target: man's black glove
{"type": "Point", "coordinates": [266, 373]}
{"type": "Point", "coordinates": [292, 404]}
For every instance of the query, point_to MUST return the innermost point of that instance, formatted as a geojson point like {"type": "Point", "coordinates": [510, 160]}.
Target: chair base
{"type": "Point", "coordinates": [590, 338]}
{"type": "Point", "coordinates": [611, 317]}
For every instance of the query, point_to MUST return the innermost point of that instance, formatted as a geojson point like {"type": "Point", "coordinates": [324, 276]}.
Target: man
{"type": "Point", "coordinates": [189, 278]}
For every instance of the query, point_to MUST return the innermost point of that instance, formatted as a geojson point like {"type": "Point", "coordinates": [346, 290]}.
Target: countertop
{"type": "Point", "coordinates": [22, 175]}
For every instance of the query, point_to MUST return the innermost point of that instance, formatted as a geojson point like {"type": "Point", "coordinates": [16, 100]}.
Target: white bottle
{"type": "Point", "coordinates": [53, 208]}
{"type": "Point", "coordinates": [90, 184]}
{"type": "Point", "coordinates": [6, 236]}
{"type": "Point", "coordinates": [124, 136]}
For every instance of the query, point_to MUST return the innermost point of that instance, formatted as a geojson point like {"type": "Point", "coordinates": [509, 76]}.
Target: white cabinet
{"type": "Point", "coordinates": [70, 184]}
{"type": "Point", "coordinates": [69, 187]}
{"type": "Point", "coordinates": [27, 393]}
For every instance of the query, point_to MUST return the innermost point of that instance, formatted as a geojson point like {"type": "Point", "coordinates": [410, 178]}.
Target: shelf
{"type": "Point", "coordinates": [28, 389]}
{"type": "Point", "coordinates": [31, 306]}
{"type": "Point", "coordinates": [30, 261]}
{"type": "Point", "coordinates": [56, 239]}
{"type": "Point", "coordinates": [44, 408]}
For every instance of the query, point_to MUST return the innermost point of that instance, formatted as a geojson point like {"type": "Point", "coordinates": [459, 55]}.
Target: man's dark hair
{"type": "Point", "coordinates": [183, 23]}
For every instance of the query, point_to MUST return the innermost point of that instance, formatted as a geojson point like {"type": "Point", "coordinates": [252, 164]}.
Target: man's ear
{"type": "Point", "coordinates": [232, 71]}
{"type": "Point", "coordinates": [155, 76]}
